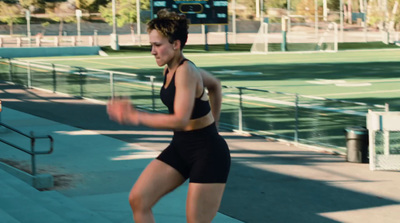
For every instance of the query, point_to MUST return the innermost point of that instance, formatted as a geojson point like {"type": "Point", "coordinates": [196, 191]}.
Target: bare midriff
{"type": "Point", "coordinates": [200, 123]}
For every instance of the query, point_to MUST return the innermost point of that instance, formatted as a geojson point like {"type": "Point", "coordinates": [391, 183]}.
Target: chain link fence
{"type": "Point", "coordinates": [304, 119]}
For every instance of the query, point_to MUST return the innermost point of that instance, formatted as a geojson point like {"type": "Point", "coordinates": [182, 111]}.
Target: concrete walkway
{"type": "Point", "coordinates": [96, 161]}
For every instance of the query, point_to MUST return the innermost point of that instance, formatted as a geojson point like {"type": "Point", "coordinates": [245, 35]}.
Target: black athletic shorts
{"type": "Point", "coordinates": [201, 155]}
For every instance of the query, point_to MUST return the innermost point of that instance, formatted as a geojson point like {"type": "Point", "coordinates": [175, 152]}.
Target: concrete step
{"type": "Point", "coordinates": [22, 208]}
{"type": "Point", "coordinates": [6, 218]}
{"type": "Point", "coordinates": [23, 203]}
{"type": "Point", "coordinates": [70, 209]}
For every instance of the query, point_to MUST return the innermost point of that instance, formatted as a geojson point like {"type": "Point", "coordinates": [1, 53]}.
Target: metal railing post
{"type": "Point", "coordinates": [386, 136]}
{"type": "Point", "coordinates": [33, 158]}
{"type": "Point", "coordinates": [240, 110]}
{"type": "Point", "coordinates": [29, 75]}
{"type": "Point", "coordinates": [80, 82]}
{"type": "Point", "coordinates": [153, 99]}
{"type": "Point", "coordinates": [54, 78]}
{"type": "Point", "coordinates": [112, 84]}
{"type": "Point", "coordinates": [10, 70]}
{"type": "Point", "coordinates": [296, 117]}
{"type": "Point", "coordinates": [1, 108]}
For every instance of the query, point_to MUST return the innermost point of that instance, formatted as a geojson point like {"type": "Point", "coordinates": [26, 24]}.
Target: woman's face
{"type": "Point", "coordinates": [161, 48]}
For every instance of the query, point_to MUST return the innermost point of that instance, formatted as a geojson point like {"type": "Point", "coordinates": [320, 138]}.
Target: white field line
{"type": "Point", "coordinates": [133, 57]}
{"type": "Point", "coordinates": [361, 92]}
{"type": "Point", "coordinates": [349, 112]}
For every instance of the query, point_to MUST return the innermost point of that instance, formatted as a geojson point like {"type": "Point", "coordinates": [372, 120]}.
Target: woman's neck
{"type": "Point", "coordinates": [174, 63]}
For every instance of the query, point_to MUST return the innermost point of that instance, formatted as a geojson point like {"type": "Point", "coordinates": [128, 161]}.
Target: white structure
{"type": "Point", "coordinates": [383, 140]}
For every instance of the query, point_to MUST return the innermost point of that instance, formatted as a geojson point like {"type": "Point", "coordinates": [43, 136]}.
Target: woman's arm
{"type": "Point", "coordinates": [214, 88]}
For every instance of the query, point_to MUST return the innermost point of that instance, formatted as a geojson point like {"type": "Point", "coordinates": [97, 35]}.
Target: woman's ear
{"type": "Point", "coordinates": [177, 44]}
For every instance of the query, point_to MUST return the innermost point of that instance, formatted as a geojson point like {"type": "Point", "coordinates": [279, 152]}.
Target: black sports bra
{"type": "Point", "coordinates": [167, 95]}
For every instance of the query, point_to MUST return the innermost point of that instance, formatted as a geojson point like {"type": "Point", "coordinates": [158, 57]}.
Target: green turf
{"type": "Point", "coordinates": [222, 48]}
{"type": "Point", "coordinates": [364, 75]}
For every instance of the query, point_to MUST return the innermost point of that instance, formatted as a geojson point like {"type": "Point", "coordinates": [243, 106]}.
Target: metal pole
{"type": "Point", "coordinates": [112, 84]}
{"type": "Point", "coordinates": [341, 20]}
{"type": "Point", "coordinates": [288, 15]}
{"type": "Point", "coordinates": [234, 20]}
{"type": "Point", "coordinates": [325, 10]}
{"type": "Point", "coordinates": [316, 18]}
{"type": "Point", "coordinates": [114, 37]}
{"type": "Point", "coordinates": [139, 33]}
{"type": "Point", "coordinates": [10, 70]}
{"type": "Point", "coordinates": [151, 9]}
{"type": "Point", "coordinates": [33, 160]}
{"type": "Point", "coordinates": [113, 17]}
{"type": "Point", "coordinates": [296, 117]}
{"type": "Point", "coordinates": [226, 38]}
{"type": "Point", "coordinates": [54, 78]}
{"type": "Point", "coordinates": [28, 23]}
{"type": "Point", "coordinates": [336, 47]}
{"type": "Point", "coordinates": [365, 20]}
{"type": "Point", "coordinates": [29, 75]}
{"type": "Point", "coordinates": [1, 108]}
{"type": "Point", "coordinates": [386, 148]}
{"type": "Point", "coordinates": [265, 32]}
{"type": "Point", "coordinates": [240, 111]}
{"type": "Point", "coordinates": [79, 29]}
{"type": "Point", "coordinates": [81, 82]}
{"type": "Point", "coordinates": [153, 98]}
{"type": "Point", "coordinates": [258, 8]}
{"type": "Point", "coordinates": [78, 23]}
{"type": "Point", "coordinates": [95, 39]}
{"type": "Point", "coordinates": [205, 37]}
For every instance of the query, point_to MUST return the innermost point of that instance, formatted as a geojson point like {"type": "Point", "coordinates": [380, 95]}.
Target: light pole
{"type": "Point", "coordinates": [261, 11]}
{"type": "Point", "coordinates": [341, 20]}
{"type": "Point", "coordinates": [316, 18]}
{"type": "Point", "coordinates": [78, 23]}
{"type": "Point", "coordinates": [114, 36]}
{"type": "Point", "coordinates": [28, 25]}
{"type": "Point", "coordinates": [234, 20]}
{"type": "Point", "coordinates": [138, 22]}
{"type": "Point", "coordinates": [257, 9]}
{"type": "Point", "coordinates": [288, 14]}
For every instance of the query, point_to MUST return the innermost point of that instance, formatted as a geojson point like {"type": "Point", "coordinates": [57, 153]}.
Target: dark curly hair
{"type": "Point", "coordinates": [172, 25]}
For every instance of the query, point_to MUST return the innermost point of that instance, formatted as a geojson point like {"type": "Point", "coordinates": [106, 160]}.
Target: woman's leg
{"type": "Point", "coordinates": [156, 180]}
{"type": "Point", "coordinates": [203, 201]}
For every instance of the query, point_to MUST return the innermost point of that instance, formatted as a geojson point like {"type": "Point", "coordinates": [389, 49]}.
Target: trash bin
{"type": "Point", "coordinates": [357, 144]}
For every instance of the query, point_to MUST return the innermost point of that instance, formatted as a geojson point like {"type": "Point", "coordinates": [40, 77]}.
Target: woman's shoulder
{"type": "Point", "coordinates": [188, 65]}
{"type": "Point", "coordinates": [188, 69]}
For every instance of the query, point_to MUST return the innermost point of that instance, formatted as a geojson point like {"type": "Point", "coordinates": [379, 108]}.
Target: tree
{"type": "Point", "coordinates": [33, 5]}
{"type": "Point", "coordinates": [90, 5]}
{"type": "Point", "coordinates": [125, 12]}
{"type": "Point", "coordinates": [379, 16]}
{"type": "Point", "coordinates": [10, 14]}
{"type": "Point", "coordinates": [61, 12]}
{"type": "Point", "coordinates": [307, 9]}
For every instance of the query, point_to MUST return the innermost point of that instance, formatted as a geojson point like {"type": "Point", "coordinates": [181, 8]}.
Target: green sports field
{"type": "Point", "coordinates": [371, 76]}
{"type": "Point", "coordinates": [260, 89]}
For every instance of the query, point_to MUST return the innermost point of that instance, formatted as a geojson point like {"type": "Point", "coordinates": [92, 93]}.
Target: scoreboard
{"type": "Point", "coordinates": [198, 12]}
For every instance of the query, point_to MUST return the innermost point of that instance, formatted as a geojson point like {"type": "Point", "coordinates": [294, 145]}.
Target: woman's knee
{"type": "Point", "coordinates": [138, 201]}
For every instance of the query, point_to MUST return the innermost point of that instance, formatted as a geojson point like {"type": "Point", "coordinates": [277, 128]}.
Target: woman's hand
{"type": "Point", "coordinates": [122, 111]}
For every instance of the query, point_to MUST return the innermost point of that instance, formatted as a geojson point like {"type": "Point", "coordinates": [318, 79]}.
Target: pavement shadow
{"type": "Point", "coordinates": [255, 193]}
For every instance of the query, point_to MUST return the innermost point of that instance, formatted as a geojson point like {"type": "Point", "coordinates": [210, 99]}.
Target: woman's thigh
{"type": "Point", "coordinates": [203, 201]}
{"type": "Point", "coordinates": [156, 180]}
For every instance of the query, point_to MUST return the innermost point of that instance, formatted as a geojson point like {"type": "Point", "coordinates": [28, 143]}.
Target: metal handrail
{"type": "Point", "coordinates": [32, 152]}
{"type": "Point", "coordinates": [240, 93]}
